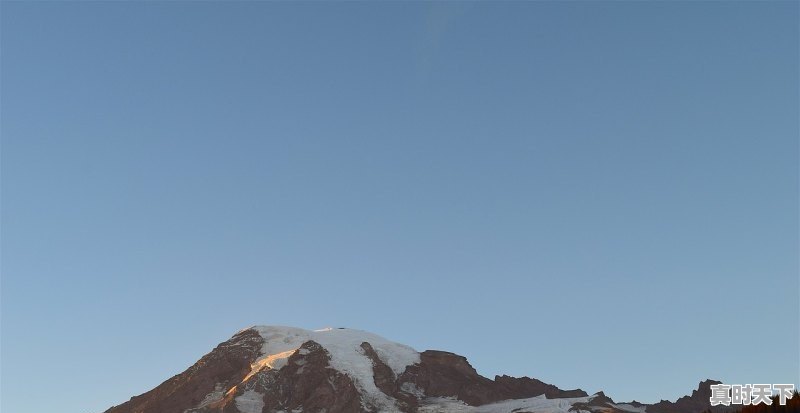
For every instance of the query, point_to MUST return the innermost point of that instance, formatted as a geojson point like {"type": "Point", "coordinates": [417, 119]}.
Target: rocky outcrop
{"type": "Point", "coordinates": [697, 402]}
{"type": "Point", "coordinates": [524, 387]}
{"type": "Point", "coordinates": [307, 382]}
{"type": "Point", "coordinates": [600, 403]}
{"type": "Point", "coordinates": [443, 374]}
{"type": "Point", "coordinates": [225, 366]}
{"type": "Point", "coordinates": [385, 381]}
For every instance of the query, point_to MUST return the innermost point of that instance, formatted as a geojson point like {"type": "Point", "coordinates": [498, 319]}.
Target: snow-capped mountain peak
{"type": "Point", "coordinates": [344, 347]}
{"type": "Point", "coordinates": [271, 369]}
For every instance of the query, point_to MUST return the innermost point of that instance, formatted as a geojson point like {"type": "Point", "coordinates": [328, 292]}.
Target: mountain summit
{"type": "Point", "coordinates": [284, 369]}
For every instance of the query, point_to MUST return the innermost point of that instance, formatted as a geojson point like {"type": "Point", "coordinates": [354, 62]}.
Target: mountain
{"type": "Point", "coordinates": [284, 369]}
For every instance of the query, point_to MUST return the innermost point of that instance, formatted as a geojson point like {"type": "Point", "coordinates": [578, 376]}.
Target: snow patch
{"type": "Point", "coordinates": [216, 395]}
{"type": "Point", "coordinates": [630, 408]}
{"type": "Point", "coordinates": [411, 388]}
{"type": "Point", "coordinates": [534, 404]}
{"type": "Point", "coordinates": [250, 401]}
{"type": "Point", "coordinates": [347, 356]}
{"type": "Point", "coordinates": [539, 404]}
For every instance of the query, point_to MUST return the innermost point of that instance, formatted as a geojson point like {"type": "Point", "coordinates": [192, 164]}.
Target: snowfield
{"type": "Point", "coordinates": [539, 404]}
{"type": "Point", "coordinates": [347, 356]}
{"type": "Point", "coordinates": [250, 401]}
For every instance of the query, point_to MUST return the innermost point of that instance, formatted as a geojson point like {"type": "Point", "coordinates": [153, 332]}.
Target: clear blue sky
{"type": "Point", "coordinates": [601, 195]}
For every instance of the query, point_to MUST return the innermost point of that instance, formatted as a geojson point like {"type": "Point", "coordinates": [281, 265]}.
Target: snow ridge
{"type": "Point", "coordinates": [347, 356]}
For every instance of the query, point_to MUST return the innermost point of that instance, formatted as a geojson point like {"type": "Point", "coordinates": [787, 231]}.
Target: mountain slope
{"type": "Point", "coordinates": [285, 369]}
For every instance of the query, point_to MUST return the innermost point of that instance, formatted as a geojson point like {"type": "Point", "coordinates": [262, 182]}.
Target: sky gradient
{"type": "Point", "coordinates": [600, 195]}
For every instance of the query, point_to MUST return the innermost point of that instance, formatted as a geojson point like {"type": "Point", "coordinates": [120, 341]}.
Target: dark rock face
{"type": "Point", "coordinates": [443, 374]}
{"type": "Point", "coordinates": [228, 364]}
{"type": "Point", "coordinates": [386, 381]}
{"type": "Point", "coordinates": [384, 376]}
{"type": "Point", "coordinates": [308, 382]}
{"type": "Point", "coordinates": [523, 387]}
{"type": "Point", "coordinates": [600, 403]}
{"type": "Point", "coordinates": [697, 402]}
